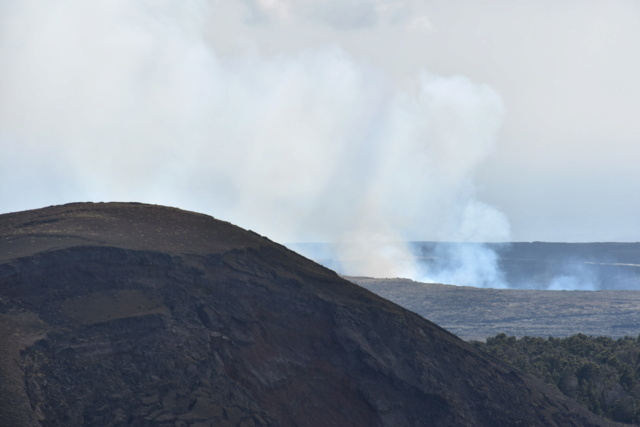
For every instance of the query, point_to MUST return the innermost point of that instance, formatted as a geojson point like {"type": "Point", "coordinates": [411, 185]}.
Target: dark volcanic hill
{"type": "Point", "coordinates": [129, 314]}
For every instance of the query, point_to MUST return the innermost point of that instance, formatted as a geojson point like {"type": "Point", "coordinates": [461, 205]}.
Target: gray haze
{"type": "Point", "coordinates": [367, 123]}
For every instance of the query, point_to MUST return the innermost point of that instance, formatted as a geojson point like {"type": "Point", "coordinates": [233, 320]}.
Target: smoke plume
{"type": "Point", "coordinates": [131, 100]}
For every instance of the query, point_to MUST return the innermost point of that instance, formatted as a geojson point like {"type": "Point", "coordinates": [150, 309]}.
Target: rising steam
{"type": "Point", "coordinates": [129, 100]}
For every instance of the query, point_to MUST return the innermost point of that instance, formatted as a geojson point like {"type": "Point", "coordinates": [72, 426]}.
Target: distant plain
{"type": "Point", "coordinates": [555, 289]}
{"type": "Point", "coordinates": [477, 313]}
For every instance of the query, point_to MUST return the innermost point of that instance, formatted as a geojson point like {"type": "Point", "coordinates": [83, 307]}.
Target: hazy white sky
{"type": "Point", "coordinates": [566, 164]}
{"type": "Point", "coordinates": [306, 119]}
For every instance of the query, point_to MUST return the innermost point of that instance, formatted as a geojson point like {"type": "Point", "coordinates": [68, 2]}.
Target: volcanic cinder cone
{"type": "Point", "coordinates": [130, 314]}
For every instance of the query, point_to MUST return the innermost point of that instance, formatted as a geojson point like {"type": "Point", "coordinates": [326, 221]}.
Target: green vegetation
{"type": "Point", "coordinates": [599, 372]}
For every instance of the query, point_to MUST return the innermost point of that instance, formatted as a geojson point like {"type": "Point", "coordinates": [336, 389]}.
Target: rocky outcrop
{"type": "Point", "coordinates": [129, 314]}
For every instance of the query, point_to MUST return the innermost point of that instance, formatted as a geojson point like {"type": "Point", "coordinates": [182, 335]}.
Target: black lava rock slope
{"type": "Point", "coordinates": [128, 314]}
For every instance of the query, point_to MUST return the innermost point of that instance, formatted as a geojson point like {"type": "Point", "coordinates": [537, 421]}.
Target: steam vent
{"type": "Point", "coordinates": [123, 314]}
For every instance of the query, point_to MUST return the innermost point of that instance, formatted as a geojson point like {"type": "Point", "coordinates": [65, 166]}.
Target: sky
{"type": "Point", "coordinates": [351, 120]}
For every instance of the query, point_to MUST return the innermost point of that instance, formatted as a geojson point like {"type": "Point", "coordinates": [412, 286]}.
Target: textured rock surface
{"type": "Point", "coordinates": [129, 314]}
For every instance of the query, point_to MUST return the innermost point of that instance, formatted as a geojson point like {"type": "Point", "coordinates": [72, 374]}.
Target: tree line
{"type": "Point", "coordinates": [601, 373]}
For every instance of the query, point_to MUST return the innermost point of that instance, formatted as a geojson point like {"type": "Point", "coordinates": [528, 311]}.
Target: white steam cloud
{"type": "Point", "coordinates": [129, 100]}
